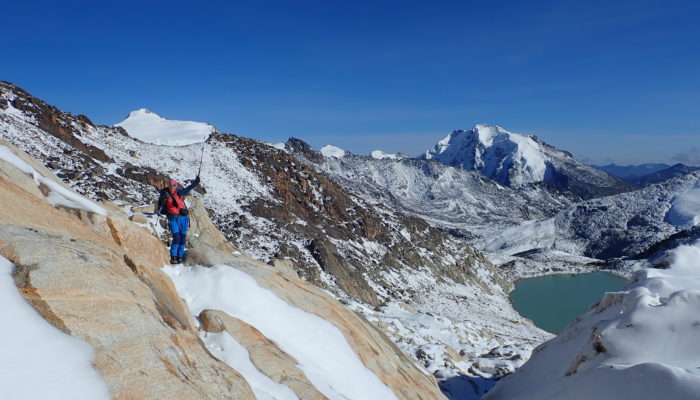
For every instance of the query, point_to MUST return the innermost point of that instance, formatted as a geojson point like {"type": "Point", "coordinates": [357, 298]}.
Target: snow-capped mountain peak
{"type": "Point", "coordinates": [380, 155]}
{"type": "Point", "coordinates": [149, 127]}
{"type": "Point", "coordinates": [516, 160]}
{"type": "Point", "coordinates": [507, 157]}
{"type": "Point", "coordinates": [332, 151]}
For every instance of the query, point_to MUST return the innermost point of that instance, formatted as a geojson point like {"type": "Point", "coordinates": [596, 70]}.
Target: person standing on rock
{"type": "Point", "coordinates": [172, 204]}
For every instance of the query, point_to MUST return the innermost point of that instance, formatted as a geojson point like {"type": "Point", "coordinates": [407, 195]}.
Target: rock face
{"type": "Point", "coordinates": [98, 277]}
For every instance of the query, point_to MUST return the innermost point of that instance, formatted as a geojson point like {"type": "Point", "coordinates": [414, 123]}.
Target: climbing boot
{"type": "Point", "coordinates": [173, 260]}
{"type": "Point", "coordinates": [180, 260]}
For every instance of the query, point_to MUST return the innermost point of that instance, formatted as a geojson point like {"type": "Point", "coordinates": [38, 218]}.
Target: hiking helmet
{"type": "Point", "coordinates": [172, 182]}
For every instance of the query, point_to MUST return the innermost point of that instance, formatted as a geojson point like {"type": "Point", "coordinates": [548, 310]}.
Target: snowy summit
{"type": "Point", "coordinates": [380, 155]}
{"type": "Point", "coordinates": [150, 127]}
{"type": "Point", "coordinates": [332, 151]}
{"type": "Point", "coordinates": [509, 158]}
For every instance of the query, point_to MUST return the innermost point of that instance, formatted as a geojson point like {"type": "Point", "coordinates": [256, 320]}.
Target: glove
{"type": "Point", "coordinates": [196, 180]}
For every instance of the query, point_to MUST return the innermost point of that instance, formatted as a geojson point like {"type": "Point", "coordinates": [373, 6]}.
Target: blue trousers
{"type": "Point", "coordinates": [178, 227]}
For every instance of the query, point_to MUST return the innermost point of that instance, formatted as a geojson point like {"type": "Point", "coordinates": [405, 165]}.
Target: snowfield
{"type": "Point", "coordinates": [149, 127]}
{"type": "Point", "coordinates": [639, 343]}
{"type": "Point", "coordinates": [38, 361]}
{"type": "Point", "coordinates": [318, 346]}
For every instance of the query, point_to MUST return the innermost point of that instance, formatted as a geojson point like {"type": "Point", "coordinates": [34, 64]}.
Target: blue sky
{"type": "Point", "coordinates": [606, 80]}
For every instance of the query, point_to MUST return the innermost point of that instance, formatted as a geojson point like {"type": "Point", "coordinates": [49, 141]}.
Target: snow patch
{"type": "Point", "coordinates": [318, 346]}
{"type": "Point", "coordinates": [37, 361]}
{"type": "Point", "coordinates": [380, 155]}
{"type": "Point", "coordinates": [149, 127]}
{"type": "Point", "coordinates": [224, 347]}
{"type": "Point", "coordinates": [332, 151]}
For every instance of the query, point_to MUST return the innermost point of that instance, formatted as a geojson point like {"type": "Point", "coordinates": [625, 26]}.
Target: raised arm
{"type": "Point", "coordinates": [185, 191]}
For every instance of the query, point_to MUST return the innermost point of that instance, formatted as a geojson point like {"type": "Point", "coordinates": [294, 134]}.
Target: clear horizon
{"type": "Point", "coordinates": [607, 81]}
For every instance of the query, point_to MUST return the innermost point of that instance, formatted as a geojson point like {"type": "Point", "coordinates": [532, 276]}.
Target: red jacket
{"type": "Point", "coordinates": [173, 203]}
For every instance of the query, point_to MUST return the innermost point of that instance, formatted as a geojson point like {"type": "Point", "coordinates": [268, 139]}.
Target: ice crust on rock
{"type": "Point", "coordinates": [149, 127]}
{"type": "Point", "coordinates": [37, 361]}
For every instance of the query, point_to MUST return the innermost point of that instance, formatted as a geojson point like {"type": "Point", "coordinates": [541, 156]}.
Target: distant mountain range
{"type": "Point", "coordinates": [647, 174]}
{"type": "Point", "coordinates": [631, 172]}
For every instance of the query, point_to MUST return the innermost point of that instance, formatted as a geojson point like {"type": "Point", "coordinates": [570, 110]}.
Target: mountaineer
{"type": "Point", "coordinates": [172, 204]}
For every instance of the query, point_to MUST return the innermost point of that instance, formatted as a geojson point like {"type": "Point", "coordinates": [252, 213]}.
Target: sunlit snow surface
{"type": "Point", "coordinates": [640, 343]}
{"type": "Point", "coordinates": [380, 155]}
{"type": "Point", "coordinates": [332, 151]}
{"type": "Point", "coordinates": [37, 361]}
{"type": "Point", "coordinates": [318, 346]}
{"type": "Point", "coordinates": [685, 208]}
{"type": "Point", "coordinates": [227, 349]}
{"type": "Point", "coordinates": [149, 127]}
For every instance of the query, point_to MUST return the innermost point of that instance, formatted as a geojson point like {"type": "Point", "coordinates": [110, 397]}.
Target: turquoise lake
{"type": "Point", "coordinates": [552, 301]}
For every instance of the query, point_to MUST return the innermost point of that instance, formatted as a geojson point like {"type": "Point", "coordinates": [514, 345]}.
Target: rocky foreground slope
{"type": "Point", "coordinates": [95, 275]}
